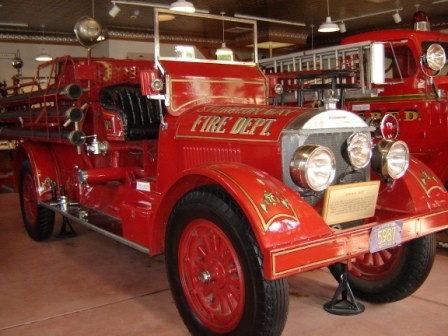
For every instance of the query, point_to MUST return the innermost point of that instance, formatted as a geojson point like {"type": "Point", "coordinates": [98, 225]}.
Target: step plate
{"type": "Point", "coordinates": [95, 220]}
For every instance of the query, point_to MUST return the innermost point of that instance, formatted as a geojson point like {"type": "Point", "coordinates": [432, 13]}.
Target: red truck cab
{"type": "Point", "coordinates": [414, 87]}
{"type": "Point", "coordinates": [413, 92]}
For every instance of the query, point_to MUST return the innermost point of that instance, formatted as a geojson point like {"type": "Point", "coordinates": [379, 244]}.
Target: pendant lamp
{"type": "Point", "coordinates": [183, 6]}
{"type": "Point", "coordinates": [328, 26]}
{"type": "Point", "coordinates": [43, 56]}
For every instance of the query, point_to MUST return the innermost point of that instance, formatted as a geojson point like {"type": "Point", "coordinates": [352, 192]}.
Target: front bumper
{"type": "Point", "coordinates": [344, 245]}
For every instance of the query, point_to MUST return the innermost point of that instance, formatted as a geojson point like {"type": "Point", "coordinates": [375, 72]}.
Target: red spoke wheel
{"type": "Point", "coordinates": [38, 221]}
{"type": "Point", "coordinates": [393, 274]}
{"type": "Point", "coordinates": [29, 199]}
{"type": "Point", "coordinates": [379, 265]}
{"type": "Point", "coordinates": [211, 276]}
{"type": "Point", "coordinates": [215, 269]}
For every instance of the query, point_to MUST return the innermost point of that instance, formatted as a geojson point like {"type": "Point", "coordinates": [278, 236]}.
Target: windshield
{"type": "Point", "coordinates": [204, 37]}
{"type": "Point", "coordinates": [399, 62]}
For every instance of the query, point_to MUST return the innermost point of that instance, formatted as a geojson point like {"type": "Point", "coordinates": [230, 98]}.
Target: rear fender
{"type": "Point", "coordinates": [43, 164]}
{"type": "Point", "coordinates": [419, 190]}
{"type": "Point", "coordinates": [278, 216]}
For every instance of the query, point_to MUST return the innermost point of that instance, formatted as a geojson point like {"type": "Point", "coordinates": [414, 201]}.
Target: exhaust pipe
{"type": "Point", "coordinates": [74, 113]}
{"type": "Point", "coordinates": [76, 138]}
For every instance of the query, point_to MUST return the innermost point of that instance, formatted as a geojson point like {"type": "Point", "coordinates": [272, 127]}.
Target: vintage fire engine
{"type": "Point", "coordinates": [411, 84]}
{"type": "Point", "coordinates": [186, 157]}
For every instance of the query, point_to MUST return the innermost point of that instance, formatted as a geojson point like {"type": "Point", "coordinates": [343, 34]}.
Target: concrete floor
{"type": "Point", "coordinates": [91, 285]}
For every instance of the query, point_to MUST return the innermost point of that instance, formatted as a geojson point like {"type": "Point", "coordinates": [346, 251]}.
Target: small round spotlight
{"type": "Point", "coordinates": [114, 10]}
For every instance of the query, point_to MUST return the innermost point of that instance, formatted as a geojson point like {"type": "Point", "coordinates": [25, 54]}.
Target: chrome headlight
{"type": "Point", "coordinates": [391, 158]}
{"type": "Point", "coordinates": [435, 57]}
{"type": "Point", "coordinates": [313, 167]}
{"type": "Point", "coordinates": [359, 150]}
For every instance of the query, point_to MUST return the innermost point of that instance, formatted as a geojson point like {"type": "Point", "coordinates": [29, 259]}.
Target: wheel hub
{"type": "Point", "coordinates": [214, 273]}
{"type": "Point", "coordinates": [205, 277]}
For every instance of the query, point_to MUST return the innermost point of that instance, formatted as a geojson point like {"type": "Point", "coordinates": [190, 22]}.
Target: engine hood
{"type": "Point", "coordinates": [261, 123]}
{"type": "Point", "coordinates": [236, 122]}
{"type": "Point", "coordinates": [326, 121]}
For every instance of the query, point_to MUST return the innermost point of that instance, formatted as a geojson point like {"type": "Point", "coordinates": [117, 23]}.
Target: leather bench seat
{"type": "Point", "coordinates": [140, 115]}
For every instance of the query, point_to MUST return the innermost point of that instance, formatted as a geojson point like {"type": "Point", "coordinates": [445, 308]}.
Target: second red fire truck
{"type": "Point", "coordinates": [411, 83]}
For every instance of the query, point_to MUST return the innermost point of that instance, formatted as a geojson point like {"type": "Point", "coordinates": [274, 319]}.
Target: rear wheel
{"type": "Point", "coordinates": [215, 269]}
{"type": "Point", "coordinates": [393, 274]}
{"type": "Point", "coordinates": [38, 221]}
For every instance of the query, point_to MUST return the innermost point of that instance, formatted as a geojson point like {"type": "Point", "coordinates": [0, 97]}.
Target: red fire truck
{"type": "Point", "coordinates": [185, 156]}
{"type": "Point", "coordinates": [411, 84]}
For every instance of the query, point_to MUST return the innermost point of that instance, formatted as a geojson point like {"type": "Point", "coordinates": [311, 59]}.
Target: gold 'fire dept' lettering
{"type": "Point", "coordinates": [241, 125]}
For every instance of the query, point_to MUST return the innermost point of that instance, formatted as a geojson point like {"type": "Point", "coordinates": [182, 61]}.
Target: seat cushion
{"type": "Point", "coordinates": [140, 115]}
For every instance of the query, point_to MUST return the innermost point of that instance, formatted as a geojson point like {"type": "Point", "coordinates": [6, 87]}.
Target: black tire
{"type": "Point", "coordinates": [224, 266]}
{"type": "Point", "coordinates": [400, 271]}
{"type": "Point", "coordinates": [38, 221]}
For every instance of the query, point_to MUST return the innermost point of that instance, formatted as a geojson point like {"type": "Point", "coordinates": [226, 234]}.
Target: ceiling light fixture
{"type": "Point", "coordinates": [114, 10]}
{"type": "Point", "coordinates": [43, 56]}
{"type": "Point", "coordinates": [224, 53]}
{"type": "Point", "coordinates": [183, 6]}
{"type": "Point", "coordinates": [166, 17]}
{"type": "Point", "coordinates": [396, 16]}
{"type": "Point", "coordinates": [328, 26]}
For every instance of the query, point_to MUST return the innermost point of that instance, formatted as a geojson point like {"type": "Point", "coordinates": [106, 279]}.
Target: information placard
{"type": "Point", "coordinates": [349, 202]}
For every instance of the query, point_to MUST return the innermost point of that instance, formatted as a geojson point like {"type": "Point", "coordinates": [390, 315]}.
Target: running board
{"type": "Point", "coordinates": [94, 220]}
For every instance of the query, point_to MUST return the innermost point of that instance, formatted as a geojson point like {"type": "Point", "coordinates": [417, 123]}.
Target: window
{"type": "Point", "coordinates": [400, 62]}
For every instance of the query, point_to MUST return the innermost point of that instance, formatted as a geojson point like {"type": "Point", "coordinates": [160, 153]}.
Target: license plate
{"type": "Point", "coordinates": [385, 236]}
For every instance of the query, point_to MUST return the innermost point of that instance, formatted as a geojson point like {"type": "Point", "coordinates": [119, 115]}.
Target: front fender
{"type": "Point", "coordinates": [43, 164]}
{"type": "Point", "coordinates": [418, 191]}
{"type": "Point", "coordinates": [279, 217]}
{"type": "Point", "coordinates": [439, 164]}
{"type": "Point", "coordinates": [277, 214]}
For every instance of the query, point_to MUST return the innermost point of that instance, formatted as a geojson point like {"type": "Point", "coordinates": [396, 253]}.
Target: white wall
{"type": "Point", "coordinates": [118, 49]}
{"type": "Point", "coordinates": [121, 49]}
{"type": "Point", "coordinates": [28, 52]}
{"type": "Point", "coordinates": [132, 49]}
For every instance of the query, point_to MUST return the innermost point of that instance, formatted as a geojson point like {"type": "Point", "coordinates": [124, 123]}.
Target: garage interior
{"type": "Point", "coordinates": [90, 285]}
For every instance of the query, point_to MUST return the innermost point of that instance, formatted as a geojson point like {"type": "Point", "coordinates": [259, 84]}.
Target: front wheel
{"type": "Point", "coordinates": [38, 221]}
{"type": "Point", "coordinates": [393, 274]}
{"type": "Point", "coordinates": [215, 269]}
